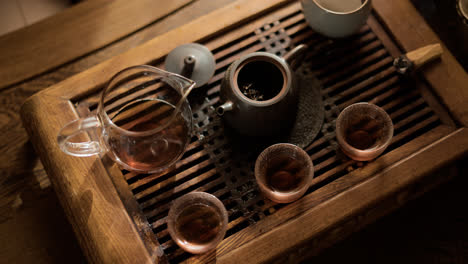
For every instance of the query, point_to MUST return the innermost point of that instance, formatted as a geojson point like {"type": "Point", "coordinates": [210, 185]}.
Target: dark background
{"type": "Point", "coordinates": [451, 27]}
{"type": "Point", "coordinates": [430, 229]}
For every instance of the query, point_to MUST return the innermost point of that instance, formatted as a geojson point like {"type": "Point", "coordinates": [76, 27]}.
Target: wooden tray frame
{"type": "Point", "coordinates": [107, 221]}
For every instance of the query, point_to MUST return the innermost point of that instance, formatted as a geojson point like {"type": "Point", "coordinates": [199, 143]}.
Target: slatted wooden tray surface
{"type": "Point", "coordinates": [351, 70]}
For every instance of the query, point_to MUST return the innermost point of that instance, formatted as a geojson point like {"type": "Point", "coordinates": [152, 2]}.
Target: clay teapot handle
{"type": "Point", "coordinates": [425, 54]}
{"type": "Point", "coordinates": [294, 56]}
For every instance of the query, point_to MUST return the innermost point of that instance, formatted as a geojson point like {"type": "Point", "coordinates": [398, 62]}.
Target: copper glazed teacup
{"type": "Point", "coordinates": [284, 172]}
{"type": "Point", "coordinates": [363, 131]}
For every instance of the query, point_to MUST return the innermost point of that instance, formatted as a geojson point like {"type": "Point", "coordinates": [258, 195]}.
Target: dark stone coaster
{"type": "Point", "coordinates": [310, 110]}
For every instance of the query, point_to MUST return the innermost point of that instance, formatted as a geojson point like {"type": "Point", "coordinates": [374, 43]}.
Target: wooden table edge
{"type": "Point", "coordinates": [62, 24]}
{"type": "Point", "coordinates": [79, 85]}
{"type": "Point", "coordinates": [91, 202]}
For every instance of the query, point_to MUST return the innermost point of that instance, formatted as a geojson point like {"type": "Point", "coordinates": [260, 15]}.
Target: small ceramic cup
{"type": "Point", "coordinates": [336, 18]}
{"type": "Point", "coordinates": [363, 131]}
{"type": "Point", "coordinates": [197, 222]}
{"type": "Point", "coordinates": [283, 172]}
{"type": "Point", "coordinates": [462, 8]}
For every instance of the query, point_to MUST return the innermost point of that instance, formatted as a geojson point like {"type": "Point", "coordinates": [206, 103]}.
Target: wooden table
{"type": "Point", "coordinates": [35, 227]}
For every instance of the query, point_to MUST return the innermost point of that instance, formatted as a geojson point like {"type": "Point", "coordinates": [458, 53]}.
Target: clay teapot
{"type": "Point", "coordinates": [259, 93]}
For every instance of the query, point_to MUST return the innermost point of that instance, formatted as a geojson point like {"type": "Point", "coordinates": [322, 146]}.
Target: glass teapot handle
{"type": "Point", "coordinates": [72, 129]}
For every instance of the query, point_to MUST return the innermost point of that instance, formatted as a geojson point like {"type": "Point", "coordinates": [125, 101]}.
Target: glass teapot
{"type": "Point", "coordinates": [143, 121]}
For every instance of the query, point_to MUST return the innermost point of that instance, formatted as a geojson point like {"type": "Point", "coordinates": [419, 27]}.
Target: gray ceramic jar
{"type": "Point", "coordinates": [259, 93]}
{"type": "Point", "coordinates": [336, 18]}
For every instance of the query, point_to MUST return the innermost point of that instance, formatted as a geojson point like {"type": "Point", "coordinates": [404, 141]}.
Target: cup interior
{"type": "Point", "coordinates": [341, 6]}
{"type": "Point", "coordinates": [364, 126]}
{"type": "Point", "coordinates": [260, 79]}
{"type": "Point", "coordinates": [197, 222]}
{"type": "Point", "coordinates": [283, 170]}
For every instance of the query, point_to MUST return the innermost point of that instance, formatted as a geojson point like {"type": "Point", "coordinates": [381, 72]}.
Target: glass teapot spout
{"type": "Point", "coordinates": [181, 83]}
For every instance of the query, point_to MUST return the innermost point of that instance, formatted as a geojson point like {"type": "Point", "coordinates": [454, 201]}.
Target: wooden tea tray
{"type": "Point", "coordinates": [119, 216]}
